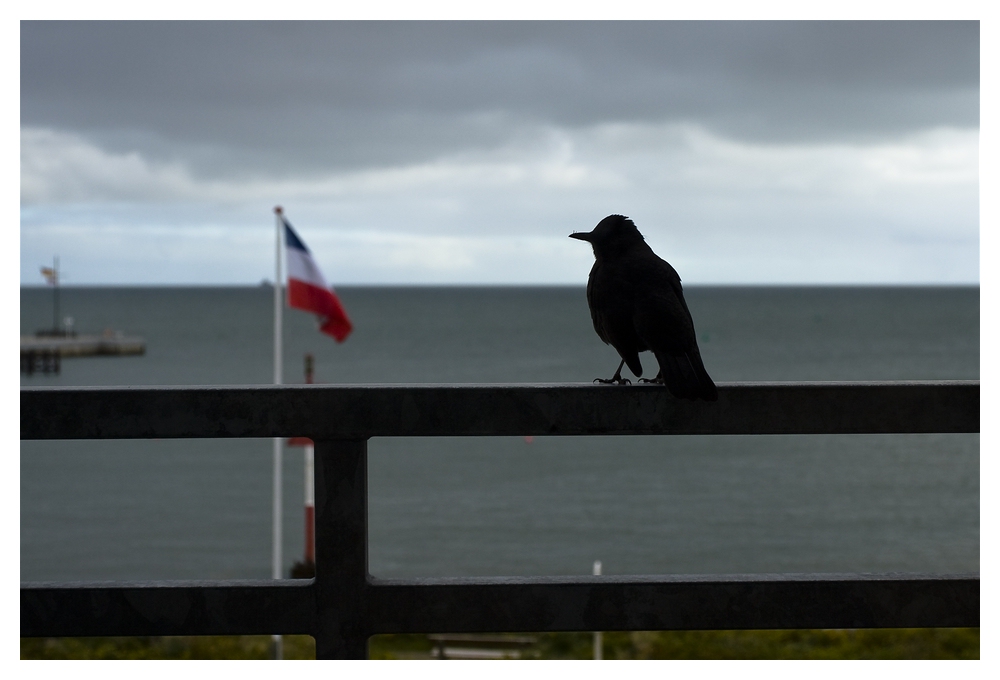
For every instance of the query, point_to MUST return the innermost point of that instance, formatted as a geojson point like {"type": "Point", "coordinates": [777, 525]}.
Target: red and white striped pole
{"type": "Point", "coordinates": [307, 568]}
{"type": "Point", "coordinates": [310, 507]}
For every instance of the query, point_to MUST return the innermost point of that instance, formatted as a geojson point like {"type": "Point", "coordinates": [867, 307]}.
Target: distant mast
{"type": "Point", "coordinates": [55, 293]}
{"type": "Point", "coordinates": [52, 278]}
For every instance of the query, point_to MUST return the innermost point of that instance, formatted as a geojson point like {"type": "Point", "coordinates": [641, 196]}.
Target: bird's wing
{"type": "Point", "coordinates": [661, 315]}
{"type": "Point", "coordinates": [664, 323]}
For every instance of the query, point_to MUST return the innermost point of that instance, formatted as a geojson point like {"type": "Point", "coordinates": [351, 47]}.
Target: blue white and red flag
{"type": "Point", "coordinates": [308, 290]}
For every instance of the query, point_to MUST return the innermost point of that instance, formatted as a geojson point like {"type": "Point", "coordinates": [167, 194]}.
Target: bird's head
{"type": "Point", "coordinates": [614, 235]}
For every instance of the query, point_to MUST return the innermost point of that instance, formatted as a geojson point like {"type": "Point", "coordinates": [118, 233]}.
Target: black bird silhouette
{"type": "Point", "coordinates": [637, 304]}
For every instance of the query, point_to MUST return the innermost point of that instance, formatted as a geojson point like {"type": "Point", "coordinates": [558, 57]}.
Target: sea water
{"type": "Point", "coordinates": [508, 505]}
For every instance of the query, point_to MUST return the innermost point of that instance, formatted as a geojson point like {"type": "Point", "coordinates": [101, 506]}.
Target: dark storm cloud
{"type": "Point", "coordinates": [372, 93]}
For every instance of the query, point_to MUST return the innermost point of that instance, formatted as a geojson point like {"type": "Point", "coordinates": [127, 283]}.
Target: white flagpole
{"type": "Point", "coordinates": [276, 508]}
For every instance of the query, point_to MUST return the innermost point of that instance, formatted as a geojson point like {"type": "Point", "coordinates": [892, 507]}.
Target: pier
{"type": "Point", "coordinates": [43, 353]}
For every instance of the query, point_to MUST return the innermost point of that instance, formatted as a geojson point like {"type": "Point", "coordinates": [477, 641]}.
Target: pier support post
{"type": "Point", "coordinates": [341, 549]}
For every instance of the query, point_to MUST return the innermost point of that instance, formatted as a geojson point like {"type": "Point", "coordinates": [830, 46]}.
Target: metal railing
{"type": "Point", "coordinates": [344, 605]}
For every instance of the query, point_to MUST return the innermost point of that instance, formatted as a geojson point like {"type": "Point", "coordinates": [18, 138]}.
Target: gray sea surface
{"type": "Point", "coordinates": [508, 506]}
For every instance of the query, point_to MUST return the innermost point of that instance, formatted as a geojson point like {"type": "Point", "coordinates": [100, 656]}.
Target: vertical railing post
{"type": "Point", "coordinates": [341, 549]}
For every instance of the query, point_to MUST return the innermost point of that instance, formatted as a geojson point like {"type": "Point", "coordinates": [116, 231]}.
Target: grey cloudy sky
{"type": "Point", "coordinates": [465, 152]}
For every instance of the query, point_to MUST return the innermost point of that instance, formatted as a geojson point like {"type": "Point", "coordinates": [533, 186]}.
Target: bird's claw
{"type": "Point", "coordinates": [652, 381]}
{"type": "Point", "coordinates": [613, 381]}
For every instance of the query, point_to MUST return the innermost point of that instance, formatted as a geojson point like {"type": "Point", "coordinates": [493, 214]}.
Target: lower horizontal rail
{"type": "Point", "coordinates": [471, 605]}
{"type": "Point", "coordinates": [167, 608]}
{"type": "Point", "coordinates": [676, 603]}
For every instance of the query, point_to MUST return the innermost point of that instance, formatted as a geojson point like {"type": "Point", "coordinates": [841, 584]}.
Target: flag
{"type": "Point", "coordinates": [51, 276]}
{"type": "Point", "coordinates": [307, 289]}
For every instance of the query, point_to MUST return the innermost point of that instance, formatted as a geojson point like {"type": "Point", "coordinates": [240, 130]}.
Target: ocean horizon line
{"type": "Point", "coordinates": [583, 284]}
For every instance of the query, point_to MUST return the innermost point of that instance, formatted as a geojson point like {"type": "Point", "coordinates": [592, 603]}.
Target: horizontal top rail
{"type": "Point", "coordinates": [325, 412]}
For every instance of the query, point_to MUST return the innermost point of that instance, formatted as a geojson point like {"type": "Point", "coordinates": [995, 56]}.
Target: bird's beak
{"type": "Point", "coordinates": [581, 235]}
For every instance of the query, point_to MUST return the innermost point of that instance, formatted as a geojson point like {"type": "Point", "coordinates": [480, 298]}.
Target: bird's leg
{"type": "Point", "coordinates": [617, 379]}
{"type": "Point", "coordinates": [658, 380]}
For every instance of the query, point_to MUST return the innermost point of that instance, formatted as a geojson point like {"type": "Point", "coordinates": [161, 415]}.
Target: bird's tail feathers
{"type": "Point", "coordinates": [686, 378]}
